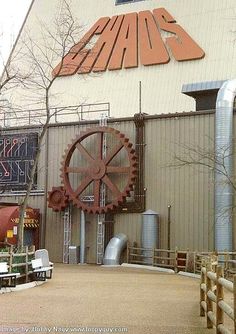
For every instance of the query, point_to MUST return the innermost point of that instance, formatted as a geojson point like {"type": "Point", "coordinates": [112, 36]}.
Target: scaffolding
{"type": "Point", "coordinates": [101, 217]}
{"type": "Point", "coordinates": [67, 233]}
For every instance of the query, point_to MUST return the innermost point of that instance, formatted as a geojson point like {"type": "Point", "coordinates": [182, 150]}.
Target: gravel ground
{"type": "Point", "coordinates": [95, 298]}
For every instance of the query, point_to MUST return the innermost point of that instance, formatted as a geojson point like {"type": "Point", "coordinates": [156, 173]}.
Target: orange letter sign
{"type": "Point", "coordinates": [152, 48]}
{"type": "Point", "coordinates": [182, 46]}
{"type": "Point", "coordinates": [125, 37]}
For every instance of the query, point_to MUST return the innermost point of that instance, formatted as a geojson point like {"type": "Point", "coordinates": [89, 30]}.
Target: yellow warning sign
{"type": "Point", "coordinates": [10, 234]}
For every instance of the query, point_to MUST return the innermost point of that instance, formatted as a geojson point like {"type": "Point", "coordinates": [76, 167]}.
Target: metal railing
{"type": "Point", "coordinates": [83, 112]}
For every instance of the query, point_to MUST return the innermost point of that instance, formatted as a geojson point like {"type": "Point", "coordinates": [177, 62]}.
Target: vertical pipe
{"type": "Point", "coordinates": [44, 215]}
{"type": "Point", "coordinates": [140, 97]}
{"type": "Point", "coordinates": [168, 221]}
{"type": "Point", "coordinates": [224, 166]}
{"type": "Point", "coordinates": [82, 237]}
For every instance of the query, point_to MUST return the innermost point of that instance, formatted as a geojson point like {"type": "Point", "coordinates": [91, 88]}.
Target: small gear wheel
{"type": "Point", "coordinates": [99, 169]}
{"type": "Point", "coordinates": [57, 199]}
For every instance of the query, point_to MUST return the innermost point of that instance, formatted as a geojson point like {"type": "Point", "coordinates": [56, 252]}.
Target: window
{"type": "Point", "coordinates": [120, 2]}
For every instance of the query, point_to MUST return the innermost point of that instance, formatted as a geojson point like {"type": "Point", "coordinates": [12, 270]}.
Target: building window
{"type": "Point", "coordinates": [120, 2]}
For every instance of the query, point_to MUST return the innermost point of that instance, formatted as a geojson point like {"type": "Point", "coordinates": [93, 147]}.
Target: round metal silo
{"type": "Point", "coordinates": [150, 233]}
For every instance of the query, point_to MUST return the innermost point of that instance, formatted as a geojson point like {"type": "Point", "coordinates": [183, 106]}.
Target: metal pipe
{"type": "Point", "coordinates": [114, 249]}
{"type": "Point", "coordinates": [224, 165]}
{"type": "Point", "coordinates": [168, 221]}
{"type": "Point", "coordinates": [82, 237]}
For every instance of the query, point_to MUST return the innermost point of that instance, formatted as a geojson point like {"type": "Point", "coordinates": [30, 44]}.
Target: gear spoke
{"type": "Point", "coordinates": [111, 186]}
{"type": "Point", "coordinates": [111, 155]}
{"type": "Point", "coordinates": [114, 169]}
{"type": "Point", "coordinates": [85, 183]}
{"type": "Point", "coordinates": [76, 169]}
{"type": "Point", "coordinates": [96, 192]}
{"type": "Point", "coordinates": [85, 153]}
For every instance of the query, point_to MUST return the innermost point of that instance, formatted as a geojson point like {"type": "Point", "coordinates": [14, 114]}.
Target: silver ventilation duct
{"type": "Point", "coordinates": [114, 249]}
{"type": "Point", "coordinates": [150, 234]}
{"type": "Point", "coordinates": [224, 165]}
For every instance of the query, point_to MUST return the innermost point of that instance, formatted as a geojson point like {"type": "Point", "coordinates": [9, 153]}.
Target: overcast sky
{"type": "Point", "coordinates": [12, 14]}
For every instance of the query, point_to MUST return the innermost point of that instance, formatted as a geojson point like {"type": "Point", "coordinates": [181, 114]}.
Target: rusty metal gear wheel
{"type": "Point", "coordinates": [57, 199]}
{"type": "Point", "coordinates": [100, 157]}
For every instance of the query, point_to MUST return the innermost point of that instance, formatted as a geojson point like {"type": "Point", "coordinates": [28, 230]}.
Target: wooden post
{"type": "Point", "coordinates": [153, 257]}
{"type": "Point", "coordinates": [219, 297]}
{"type": "Point", "coordinates": [127, 253]}
{"type": "Point", "coordinates": [209, 303]}
{"type": "Point", "coordinates": [214, 259]}
{"type": "Point", "coordinates": [234, 304]}
{"type": "Point", "coordinates": [33, 248]}
{"type": "Point", "coordinates": [176, 260]}
{"type": "Point", "coordinates": [11, 258]}
{"type": "Point", "coordinates": [226, 264]}
{"type": "Point", "coordinates": [26, 264]}
{"type": "Point", "coordinates": [187, 260]}
{"type": "Point", "coordinates": [194, 262]}
{"type": "Point", "coordinates": [202, 292]}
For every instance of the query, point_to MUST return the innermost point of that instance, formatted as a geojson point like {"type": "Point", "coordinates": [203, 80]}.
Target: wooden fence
{"type": "Point", "coordinates": [177, 260]}
{"type": "Point", "coordinates": [19, 262]}
{"type": "Point", "coordinates": [212, 287]}
{"type": "Point", "coordinates": [172, 259]}
{"type": "Point", "coordinates": [226, 259]}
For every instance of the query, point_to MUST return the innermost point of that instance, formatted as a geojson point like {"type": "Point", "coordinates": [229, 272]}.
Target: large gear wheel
{"type": "Point", "coordinates": [99, 160]}
{"type": "Point", "coordinates": [57, 199]}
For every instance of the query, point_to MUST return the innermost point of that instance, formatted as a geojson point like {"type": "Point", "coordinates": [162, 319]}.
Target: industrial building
{"type": "Point", "coordinates": [156, 72]}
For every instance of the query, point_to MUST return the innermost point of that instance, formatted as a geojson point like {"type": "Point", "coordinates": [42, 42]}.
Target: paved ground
{"type": "Point", "coordinates": [91, 296]}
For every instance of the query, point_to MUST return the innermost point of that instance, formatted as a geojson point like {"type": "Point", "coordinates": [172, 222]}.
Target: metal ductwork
{"type": "Point", "coordinates": [224, 165]}
{"type": "Point", "coordinates": [114, 249]}
{"type": "Point", "coordinates": [150, 234]}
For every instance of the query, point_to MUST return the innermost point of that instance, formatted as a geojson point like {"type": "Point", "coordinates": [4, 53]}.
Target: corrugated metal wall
{"type": "Point", "coordinates": [189, 190]}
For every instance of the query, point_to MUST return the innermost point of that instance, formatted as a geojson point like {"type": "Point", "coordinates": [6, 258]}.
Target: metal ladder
{"type": "Point", "coordinates": [67, 233]}
{"type": "Point", "coordinates": [101, 217]}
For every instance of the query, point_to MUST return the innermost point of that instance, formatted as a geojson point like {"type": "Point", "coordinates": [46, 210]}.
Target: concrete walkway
{"type": "Point", "coordinates": [99, 297]}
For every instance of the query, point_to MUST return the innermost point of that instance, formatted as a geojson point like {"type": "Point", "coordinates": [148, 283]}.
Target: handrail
{"type": "Point", "coordinates": [210, 295]}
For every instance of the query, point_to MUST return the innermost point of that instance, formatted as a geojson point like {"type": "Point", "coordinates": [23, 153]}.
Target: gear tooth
{"type": "Point", "coordinates": [132, 151]}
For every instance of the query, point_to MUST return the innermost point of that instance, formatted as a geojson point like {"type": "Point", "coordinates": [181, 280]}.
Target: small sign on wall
{"type": "Point", "coordinates": [10, 234]}
{"type": "Point", "coordinates": [14, 230]}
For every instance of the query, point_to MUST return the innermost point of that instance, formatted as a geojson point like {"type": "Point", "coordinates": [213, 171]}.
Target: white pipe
{"type": "Point", "coordinates": [82, 237]}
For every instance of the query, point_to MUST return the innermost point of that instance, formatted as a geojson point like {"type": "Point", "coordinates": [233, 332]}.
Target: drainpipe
{"type": "Point", "coordinates": [224, 150]}
{"type": "Point", "coordinates": [82, 237]}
